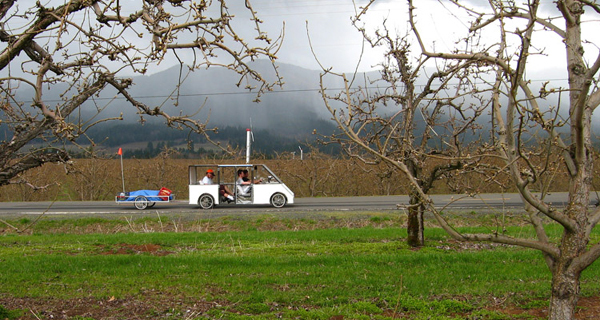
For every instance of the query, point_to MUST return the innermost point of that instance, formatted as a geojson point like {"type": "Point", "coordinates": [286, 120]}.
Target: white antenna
{"type": "Point", "coordinates": [248, 135]}
{"type": "Point", "coordinates": [249, 139]}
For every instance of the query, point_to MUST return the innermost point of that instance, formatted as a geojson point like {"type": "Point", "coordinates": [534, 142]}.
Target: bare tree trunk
{"type": "Point", "coordinates": [565, 278]}
{"type": "Point", "coordinates": [566, 268]}
{"type": "Point", "coordinates": [565, 294]}
{"type": "Point", "coordinates": [415, 226]}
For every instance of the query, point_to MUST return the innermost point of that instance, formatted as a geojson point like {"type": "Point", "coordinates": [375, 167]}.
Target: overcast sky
{"type": "Point", "coordinates": [335, 41]}
{"type": "Point", "coordinates": [337, 44]}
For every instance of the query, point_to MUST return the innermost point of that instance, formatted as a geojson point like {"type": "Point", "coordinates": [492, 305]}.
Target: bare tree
{"type": "Point", "coordinates": [419, 120]}
{"type": "Point", "coordinates": [529, 129]}
{"type": "Point", "coordinates": [503, 43]}
{"type": "Point", "coordinates": [89, 45]}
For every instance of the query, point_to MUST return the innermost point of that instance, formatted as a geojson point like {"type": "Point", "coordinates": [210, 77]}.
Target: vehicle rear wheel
{"type": "Point", "coordinates": [206, 201]}
{"type": "Point", "coordinates": [151, 204]}
{"type": "Point", "coordinates": [141, 202]}
{"type": "Point", "coordinates": [278, 200]}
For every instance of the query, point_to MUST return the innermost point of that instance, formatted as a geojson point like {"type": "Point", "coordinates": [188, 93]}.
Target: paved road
{"type": "Point", "coordinates": [382, 203]}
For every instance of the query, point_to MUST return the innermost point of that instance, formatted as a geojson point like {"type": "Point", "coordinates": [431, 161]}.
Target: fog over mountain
{"type": "Point", "coordinates": [292, 111]}
{"type": "Point", "coordinates": [212, 94]}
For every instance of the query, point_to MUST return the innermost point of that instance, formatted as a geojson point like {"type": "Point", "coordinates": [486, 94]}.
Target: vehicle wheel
{"type": "Point", "coordinates": [141, 202]}
{"type": "Point", "coordinates": [206, 201]}
{"type": "Point", "coordinates": [278, 200]}
{"type": "Point", "coordinates": [151, 204]}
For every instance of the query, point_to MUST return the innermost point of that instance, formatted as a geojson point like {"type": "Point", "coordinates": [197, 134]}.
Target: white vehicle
{"type": "Point", "coordinates": [263, 188]}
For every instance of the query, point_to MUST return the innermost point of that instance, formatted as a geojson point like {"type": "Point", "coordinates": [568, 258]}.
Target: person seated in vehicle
{"type": "Point", "coordinates": [246, 179]}
{"type": "Point", "coordinates": [223, 190]}
{"type": "Point", "coordinates": [244, 185]}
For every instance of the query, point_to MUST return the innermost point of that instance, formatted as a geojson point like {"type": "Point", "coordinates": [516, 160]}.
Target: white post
{"type": "Point", "coordinates": [248, 133]}
{"type": "Point", "coordinates": [301, 153]}
{"type": "Point", "coordinates": [120, 153]}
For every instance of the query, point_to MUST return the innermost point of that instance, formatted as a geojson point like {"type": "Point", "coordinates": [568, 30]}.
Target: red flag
{"type": "Point", "coordinates": [120, 152]}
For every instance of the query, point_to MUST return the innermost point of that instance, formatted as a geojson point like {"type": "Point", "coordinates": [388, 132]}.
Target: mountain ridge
{"type": "Point", "coordinates": [211, 94]}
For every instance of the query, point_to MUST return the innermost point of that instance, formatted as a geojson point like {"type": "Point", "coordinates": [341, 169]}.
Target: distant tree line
{"type": "Point", "coordinates": [157, 138]}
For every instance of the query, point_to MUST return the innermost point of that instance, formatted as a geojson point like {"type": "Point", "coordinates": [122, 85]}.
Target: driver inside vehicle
{"type": "Point", "coordinates": [244, 184]}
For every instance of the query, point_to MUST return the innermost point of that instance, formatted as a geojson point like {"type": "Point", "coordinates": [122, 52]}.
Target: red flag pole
{"type": "Point", "coordinates": [120, 152]}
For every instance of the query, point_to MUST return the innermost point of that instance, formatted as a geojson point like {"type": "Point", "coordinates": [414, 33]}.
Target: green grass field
{"type": "Point", "coordinates": [322, 273]}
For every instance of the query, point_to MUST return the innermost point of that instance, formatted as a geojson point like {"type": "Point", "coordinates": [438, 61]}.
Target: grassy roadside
{"type": "Point", "coordinates": [266, 268]}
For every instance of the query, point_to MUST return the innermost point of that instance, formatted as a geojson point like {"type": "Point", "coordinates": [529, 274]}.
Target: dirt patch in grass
{"type": "Point", "coordinates": [125, 248]}
{"type": "Point", "coordinates": [111, 308]}
{"type": "Point", "coordinates": [587, 308]}
{"type": "Point", "coordinates": [158, 306]}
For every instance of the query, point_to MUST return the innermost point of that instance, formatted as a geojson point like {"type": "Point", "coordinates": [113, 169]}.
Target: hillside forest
{"type": "Point", "coordinates": [149, 140]}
